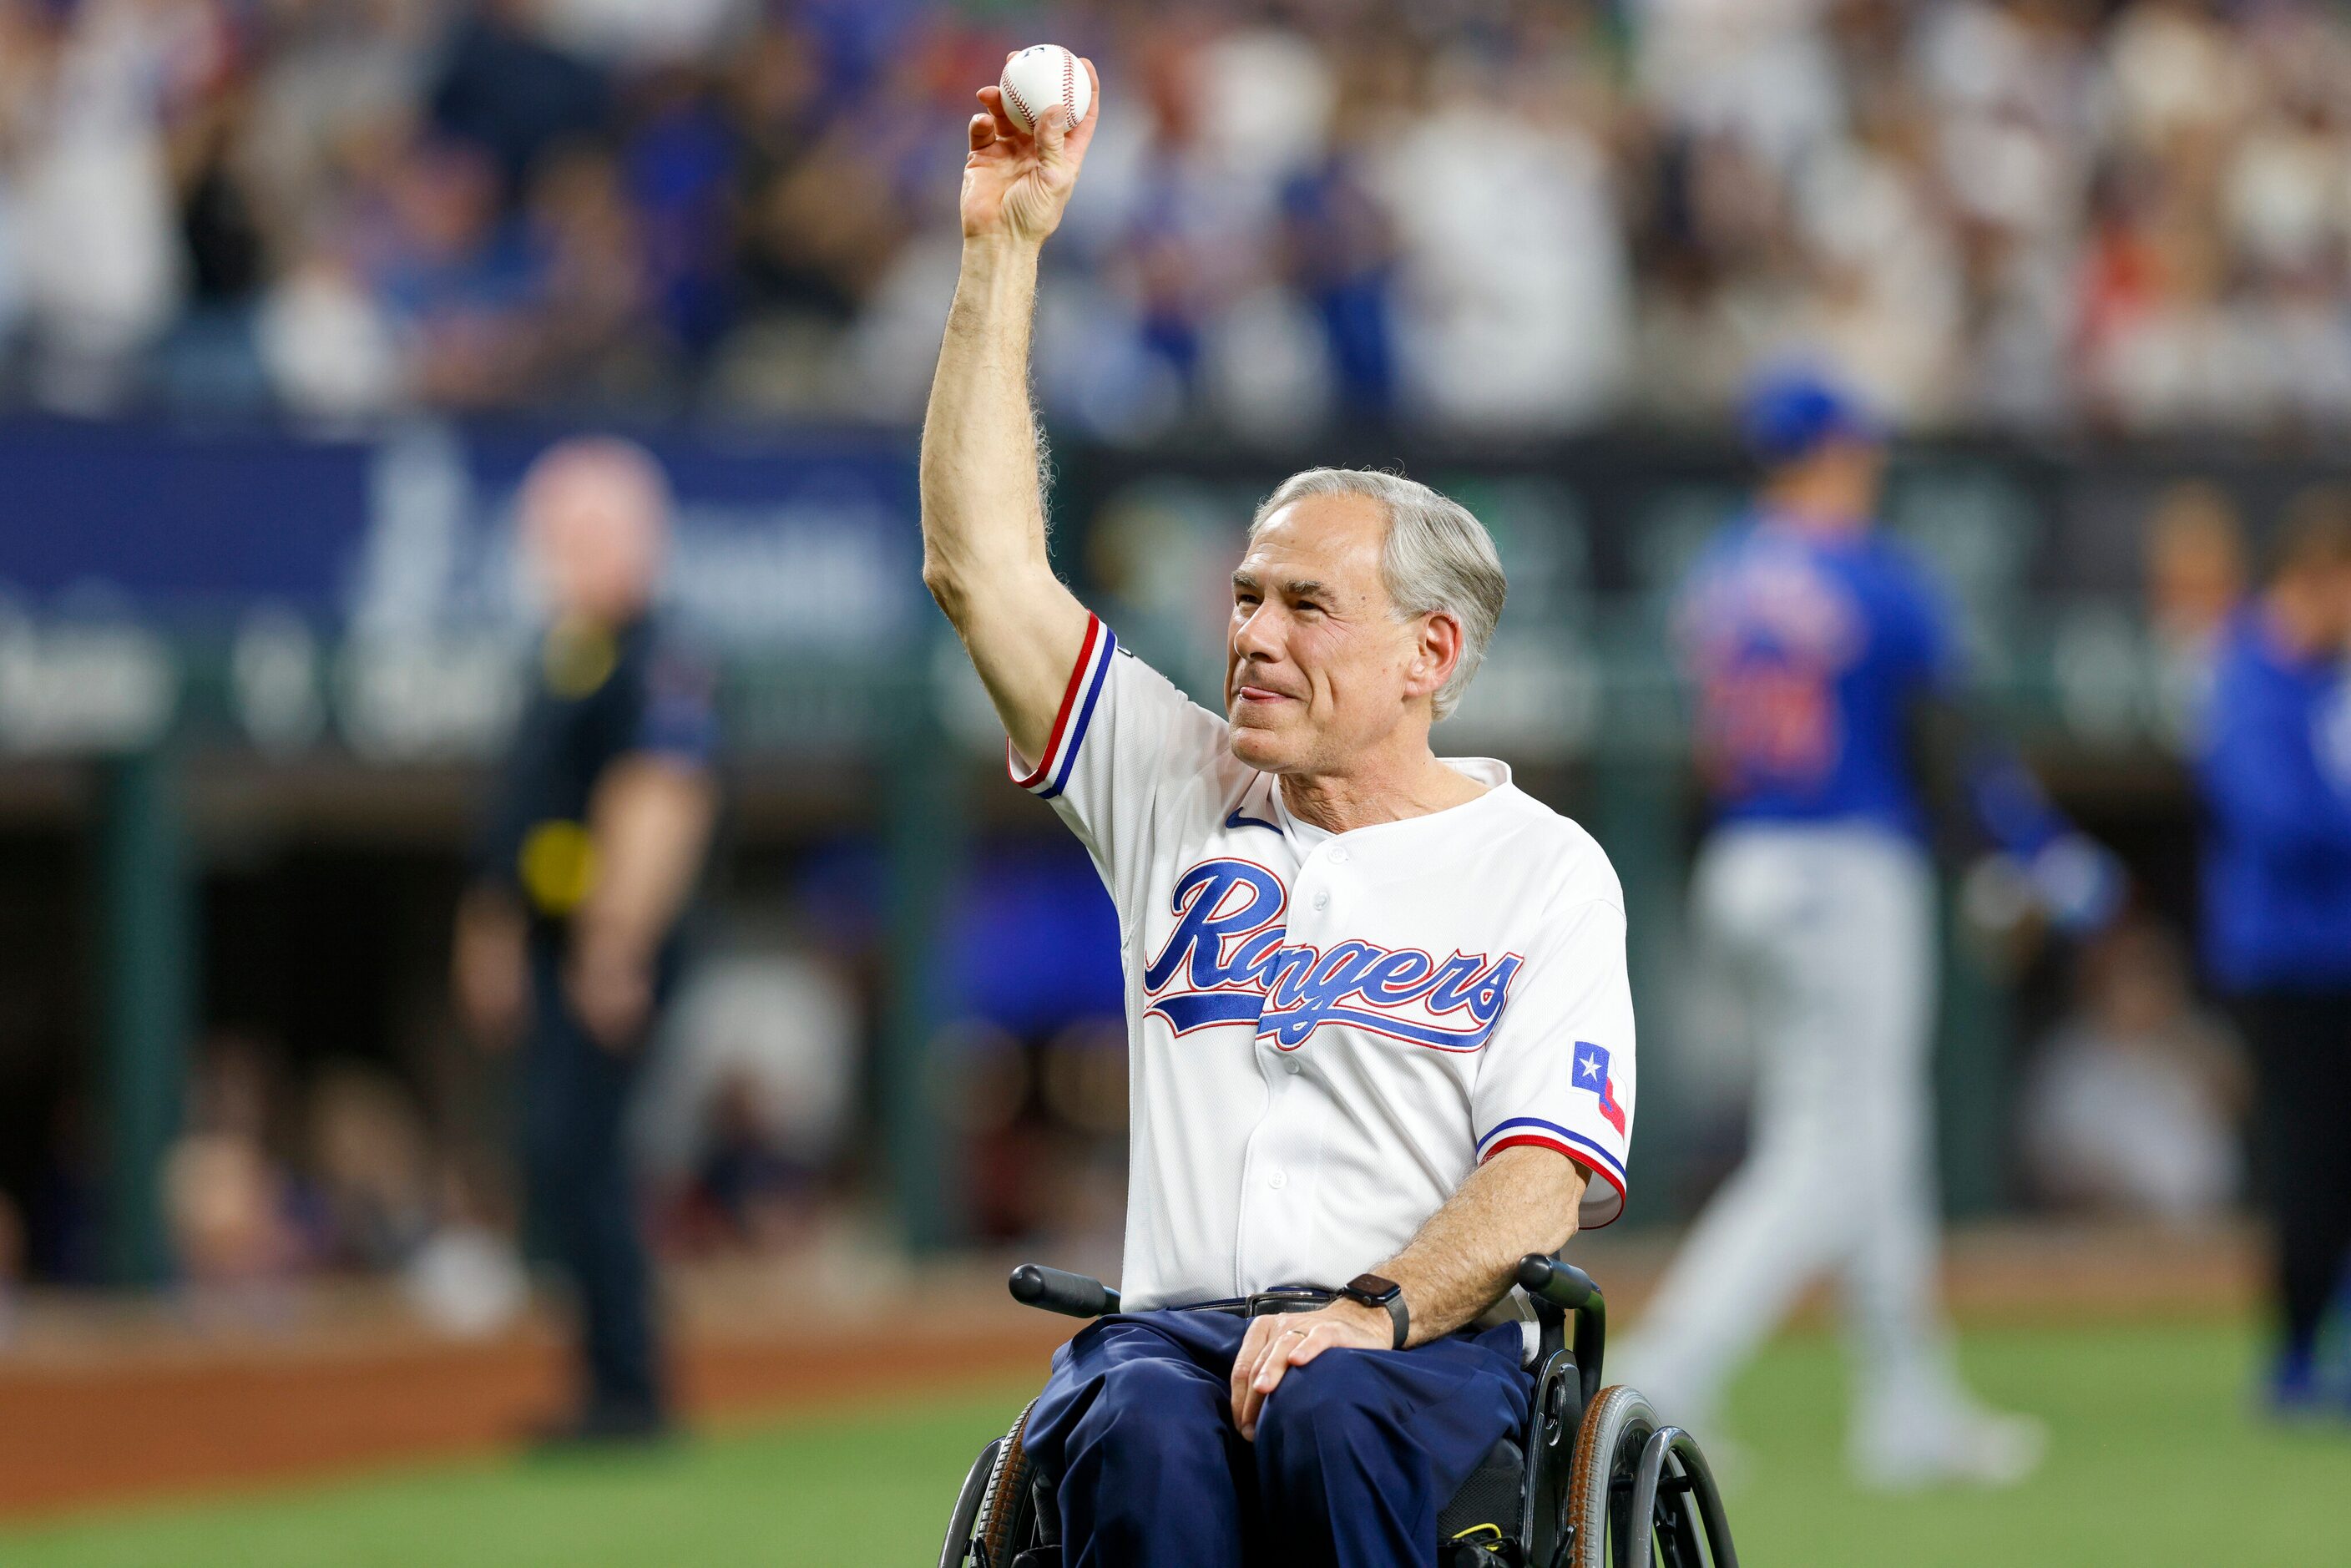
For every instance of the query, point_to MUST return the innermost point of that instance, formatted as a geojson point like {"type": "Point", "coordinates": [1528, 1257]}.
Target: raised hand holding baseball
{"type": "Point", "coordinates": [1017, 181]}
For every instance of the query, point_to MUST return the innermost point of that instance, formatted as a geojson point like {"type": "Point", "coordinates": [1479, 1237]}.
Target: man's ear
{"type": "Point", "coordinates": [1436, 653]}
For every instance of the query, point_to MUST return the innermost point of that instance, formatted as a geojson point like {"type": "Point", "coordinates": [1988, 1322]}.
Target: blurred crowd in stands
{"type": "Point", "coordinates": [1480, 215]}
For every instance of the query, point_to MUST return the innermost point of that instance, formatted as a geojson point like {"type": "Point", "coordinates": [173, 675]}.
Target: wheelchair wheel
{"type": "Point", "coordinates": [1623, 1463]}
{"type": "Point", "coordinates": [958, 1550]}
{"type": "Point", "coordinates": [996, 1518]}
{"type": "Point", "coordinates": [1599, 1487]}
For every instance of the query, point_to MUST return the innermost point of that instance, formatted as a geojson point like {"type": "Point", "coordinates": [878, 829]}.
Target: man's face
{"type": "Point", "coordinates": [1318, 666]}
{"type": "Point", "coordinates": [595, 528]}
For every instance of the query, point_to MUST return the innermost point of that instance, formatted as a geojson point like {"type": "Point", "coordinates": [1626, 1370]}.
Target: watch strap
{"type": "Point", "coordinates": [1373, 1290]}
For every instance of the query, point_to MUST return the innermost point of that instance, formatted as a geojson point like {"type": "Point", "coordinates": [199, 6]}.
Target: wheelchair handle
{"type": "Point", "coordinates": [1558, 1289]}
{"type": "Point", "coordinates": [1058, 1290]}
{"type": "Point", "coordinates": [1564, 1285]}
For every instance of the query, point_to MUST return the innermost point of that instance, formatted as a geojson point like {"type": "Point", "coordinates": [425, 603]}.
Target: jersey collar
{"type": "Point", "coordinates": [1486, 770]}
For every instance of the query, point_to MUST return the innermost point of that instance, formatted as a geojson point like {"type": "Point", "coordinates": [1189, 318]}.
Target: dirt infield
{"type": "Point", "coordinates": [102, 1402]}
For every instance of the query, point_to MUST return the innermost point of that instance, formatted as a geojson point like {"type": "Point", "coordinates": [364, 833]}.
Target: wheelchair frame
{"type": "Point", "coordinates": [1615, 1492]}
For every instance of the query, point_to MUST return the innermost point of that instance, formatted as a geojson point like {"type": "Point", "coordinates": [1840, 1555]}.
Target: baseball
{"type": "Point", "coordinates": [1042, 75]}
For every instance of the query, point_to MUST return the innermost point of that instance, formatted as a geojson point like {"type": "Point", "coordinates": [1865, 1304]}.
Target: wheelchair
{"type": "Point", "coordinates": [1593, 1479]}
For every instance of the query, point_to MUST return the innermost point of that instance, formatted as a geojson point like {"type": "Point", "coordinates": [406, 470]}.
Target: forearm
{"type": "Point", "coordinates": [983, 512]}
{"type": "Point", "coordinates": [650, 822]}
{"type": "Point", "coordinates": [1522, 1200]}
{"type": "Point", "coordinates": [984, 552]}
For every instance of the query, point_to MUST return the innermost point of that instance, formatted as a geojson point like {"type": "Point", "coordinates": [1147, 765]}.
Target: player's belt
{"type": "Point", "coordinates": [1270, 1304]}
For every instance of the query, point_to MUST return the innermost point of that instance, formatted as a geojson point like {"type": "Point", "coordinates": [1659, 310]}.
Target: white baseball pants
{"type": "Point", "coordinates": [1826, 935]}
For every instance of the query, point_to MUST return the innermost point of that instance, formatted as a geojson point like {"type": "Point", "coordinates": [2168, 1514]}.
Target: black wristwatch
{"type": "Point", "coordinates": [1371, 1290]}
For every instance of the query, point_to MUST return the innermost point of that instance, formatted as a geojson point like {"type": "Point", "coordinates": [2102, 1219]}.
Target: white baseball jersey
{"type": "Point", "coordinates": [1328, 1033]}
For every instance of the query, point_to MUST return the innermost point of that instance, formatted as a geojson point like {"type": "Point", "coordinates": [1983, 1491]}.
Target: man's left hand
{"type": "Point", "coordinates": [1276, 1344]}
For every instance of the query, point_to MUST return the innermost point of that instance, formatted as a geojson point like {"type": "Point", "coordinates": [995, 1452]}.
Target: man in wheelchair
{"type": "Point", "coordinates": [1380, 1033]}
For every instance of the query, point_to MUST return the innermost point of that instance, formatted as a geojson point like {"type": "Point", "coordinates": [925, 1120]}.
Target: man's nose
{"type": "Point", "coordinates": [1256, 634]}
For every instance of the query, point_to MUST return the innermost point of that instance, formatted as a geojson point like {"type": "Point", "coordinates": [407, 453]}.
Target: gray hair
{"type": "Point", "coordinates": [1437, 559]}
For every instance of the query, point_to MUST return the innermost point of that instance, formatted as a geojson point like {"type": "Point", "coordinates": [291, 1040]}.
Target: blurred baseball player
{"type": "Point", "coordinates": [1380, 1031]}
{"type": "Point", "coordinates": [1824, 663]}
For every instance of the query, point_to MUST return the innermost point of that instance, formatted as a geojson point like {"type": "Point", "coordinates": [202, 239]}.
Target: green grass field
{"type": "Point", "coordinates": [2156, 1462]}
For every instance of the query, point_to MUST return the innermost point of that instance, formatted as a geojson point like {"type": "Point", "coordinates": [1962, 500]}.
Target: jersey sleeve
{"type": "Point", "coordinates": [1124, 738]}
{"type": "Point", "coordinates": [1559, 1072]}
{"type": "Point", "coordinates": [677, 714]}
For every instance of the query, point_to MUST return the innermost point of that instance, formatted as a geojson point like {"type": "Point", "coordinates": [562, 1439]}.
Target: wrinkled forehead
{"type": "Point", "coordinates": [1335, 541]}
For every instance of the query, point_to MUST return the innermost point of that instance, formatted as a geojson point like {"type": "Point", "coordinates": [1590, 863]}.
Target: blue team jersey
{"type": "Point", "coordinates": [2276, 774]}
{"type": "Point", "coordinates": [1806, 653]}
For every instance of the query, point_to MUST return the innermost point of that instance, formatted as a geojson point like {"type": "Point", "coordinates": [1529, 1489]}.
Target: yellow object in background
{"type": "Point", "coordinates": [558, 866]}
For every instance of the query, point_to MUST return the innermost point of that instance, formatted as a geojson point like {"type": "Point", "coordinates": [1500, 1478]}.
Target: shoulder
{"type": "Point", "coordinates": [659, 652]}
{"type": "Point", "coordinates": [1557, 851]}
{"type": "Point", "coordinates": [1904, 594]}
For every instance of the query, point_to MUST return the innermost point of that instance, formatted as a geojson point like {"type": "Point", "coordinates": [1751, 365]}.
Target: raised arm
{"type": "Point", "coordinates": [984, 556]}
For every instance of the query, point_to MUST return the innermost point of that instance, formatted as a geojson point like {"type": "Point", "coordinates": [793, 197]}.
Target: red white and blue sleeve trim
{"type": "Point", "coordinates": [1078, 705]}
{"type": "Point", "coordinates": [1533, 1131]}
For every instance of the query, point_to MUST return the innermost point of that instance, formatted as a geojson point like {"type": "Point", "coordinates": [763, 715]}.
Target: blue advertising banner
{"type": "Point", "coordinates": [800, 541]}
{"type": "Point", "coordinates": [132, 515]}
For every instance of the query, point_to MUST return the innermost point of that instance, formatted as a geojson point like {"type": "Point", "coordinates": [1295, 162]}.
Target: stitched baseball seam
{"type": "Point", "coordinates": [1069, 90]}
{"type": "Point", "coordinates": [1013, 95]}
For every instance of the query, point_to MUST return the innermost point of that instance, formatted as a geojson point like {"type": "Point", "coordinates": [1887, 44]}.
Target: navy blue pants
{"type": "Point", "coordinates": [1356, 1452]}
{"type": "Point", "coordinates": [575, 1101]}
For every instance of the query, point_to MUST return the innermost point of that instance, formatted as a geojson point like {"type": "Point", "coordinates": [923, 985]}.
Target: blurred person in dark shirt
{"type": "Point", "coordinates": [2277, 775]}
{"type": "Point", "coordinates": [568, 939]}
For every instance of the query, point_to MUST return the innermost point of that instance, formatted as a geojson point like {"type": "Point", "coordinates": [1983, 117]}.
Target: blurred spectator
{"type": "Point", "coordinates": [466, 1279]}
{"type": "Point", "coordinates": [503, 88]}
{"type": "Point", "coordinates": [456, 275]}
{"type": "Point", "coordinates": [751, 1106]}
{"type": "Point", "coordinates": [1512, 280]}
{"type": "Point", "coordinates": [102, 265]}
{"type": "Point", "coordinates": [2135, 1103]}
{"type": "Point", "coordinates": [598, 340]}
{"type": "Point", "coordinates": [1984, 212]}
{"type": "Point", "coordinates": [747, 1186]}
{"type": "Point", "coordinates": [370, 1162]}
{"type": "Point", "coordinates": [2195, 578]}
{"type": "Point", "coordinates": [230, 1202]}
